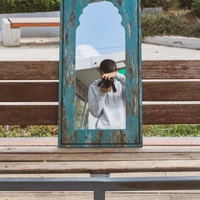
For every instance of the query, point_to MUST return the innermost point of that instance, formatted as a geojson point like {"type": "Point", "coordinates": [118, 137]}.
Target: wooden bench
{"type": "Point", "coordinates": [11, 31]}
{"type": "Point", "coordinates": [170, 96]}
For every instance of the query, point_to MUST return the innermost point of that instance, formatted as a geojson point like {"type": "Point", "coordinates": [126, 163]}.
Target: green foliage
{"type": "Point", "coordinates": [196, 7]}
{"type": "Point", "coordinates": [28, 131]}
{"type": "Point", "coordinates": [166, 5]}
{"type": "Point", "coordinates": [148, 131]}
{"type": "Point", "coordinates": [170, 24]}
{"type": "Point", "coordinates": [24, 6]}
{"type": "Point", "coordinates": [172, 130]}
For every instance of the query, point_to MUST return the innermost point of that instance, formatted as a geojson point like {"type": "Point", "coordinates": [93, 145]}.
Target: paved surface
{"type": "Point", "coordinates": [48, 49]}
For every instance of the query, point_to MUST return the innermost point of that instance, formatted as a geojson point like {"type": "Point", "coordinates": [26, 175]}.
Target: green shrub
{"type": "Point", "coordinates": [166, 5]}
{"type": "Point", "coordinates": [27, 6]}
{"type": "Point", "coordinates": [169, 24]}
{"type": "Point", "coordinates": [196, 7]}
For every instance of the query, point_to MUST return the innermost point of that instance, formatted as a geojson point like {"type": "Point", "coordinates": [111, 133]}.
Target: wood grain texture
{"type": "Point", "coordinates": [28, 148]}
{"type": "Point", "coordinates": [171, 114]}
{"type": "Point", "coordinates": [171, 69]}
{"type": "Point", "coordinates": [65, 157]}
{"type": "Point", "coordinates": [98, 167]}
{"type": "Point", "coordinates": [48, 70]}
{"type": "Point", "coordinates": [48, 91]}
{"type": "Point", "coordinates": [28, 92]}
{"type": "Point", "coordinates": [171, 91]}
{"type": "Point", "coordinates": [29, 114]}
{"type": "Point", "coordinates": [48, 114]}
{"type": "Point", "coordinates": [29, 70]}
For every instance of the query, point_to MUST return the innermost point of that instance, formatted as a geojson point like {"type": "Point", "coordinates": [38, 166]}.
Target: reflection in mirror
{"type": "Point", "coordinates": [99, 36]}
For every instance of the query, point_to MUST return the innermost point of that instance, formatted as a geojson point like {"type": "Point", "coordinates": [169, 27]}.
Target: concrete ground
{"type": "Point", "coordinates": [48, 49]}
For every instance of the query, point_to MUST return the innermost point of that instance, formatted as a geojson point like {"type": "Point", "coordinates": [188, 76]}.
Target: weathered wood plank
{"type": "Point", "coordinates": [29, 70]}
{"type": "Point", "coordinates": [98, 157]}
{"type": "Point", "coordinates": [171, 69]}
{"type": "Point", "coordinates": [48, 70]}
{"type": "Point", "coordinates": [48, 91]}
{"type": "Point", "coordinates": [28, 92]}
{"type": "Point", "coordinates": [48, 114]}
{"type": "Point", "coordinates": [133, 195]}
{"type": "Point", "coordinates": [29, 114]}
{"type": "Point", "coordinates": [171, 91]}
{"type": "Point", "coordinates": [99, 167]}
{"type": "Point", "coordinates": [171, 114]}
{"type": "Point", "coordinates": [55, 150]}
{"type": "Point", "coordinates": [32, 22]}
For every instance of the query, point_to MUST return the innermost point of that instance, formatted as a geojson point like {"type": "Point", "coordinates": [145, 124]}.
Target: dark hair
{"type": "Point", "coordinates": [108, 66]}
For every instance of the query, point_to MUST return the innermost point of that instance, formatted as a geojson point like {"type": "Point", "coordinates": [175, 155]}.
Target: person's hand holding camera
{"type": "Point", "coordinates": [107, 76]}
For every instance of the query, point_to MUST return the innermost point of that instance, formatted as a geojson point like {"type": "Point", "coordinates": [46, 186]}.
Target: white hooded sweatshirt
{"type": "Point", "coordinates": [109, 107]}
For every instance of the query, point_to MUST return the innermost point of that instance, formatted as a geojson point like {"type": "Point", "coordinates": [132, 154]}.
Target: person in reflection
{"type": "Point", "coordinates": [106, 97]}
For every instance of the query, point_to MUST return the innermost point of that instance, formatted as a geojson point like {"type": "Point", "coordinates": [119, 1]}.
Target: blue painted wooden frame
{"type": "Point", "coordinates": [68, 136]}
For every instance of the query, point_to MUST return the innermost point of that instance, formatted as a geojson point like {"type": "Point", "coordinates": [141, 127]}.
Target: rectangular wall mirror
{"type": "Point", "coordinates": [100, 39]}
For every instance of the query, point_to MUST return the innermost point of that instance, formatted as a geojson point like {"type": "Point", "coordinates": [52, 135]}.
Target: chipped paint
{"type": "Point", "coordinates": [68, 135]}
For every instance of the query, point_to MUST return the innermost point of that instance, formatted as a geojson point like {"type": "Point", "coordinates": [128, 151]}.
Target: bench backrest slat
{"type": "Point", "coordinates": [48, 91]}
{"type": "Point", "coordinates": [161, 98]}
{"type": "Point", "coordinates": [47, 114]}
{"type": "Point", "coordinates": [48, 70]}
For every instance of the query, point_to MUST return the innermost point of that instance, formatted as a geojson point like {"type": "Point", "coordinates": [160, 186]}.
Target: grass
{"type": "Point", "coordinates": [148, 131]}
{"type": "Point", "coordinates": [28, 131]}
{"type": "Point", "coordinates": [171, 130]}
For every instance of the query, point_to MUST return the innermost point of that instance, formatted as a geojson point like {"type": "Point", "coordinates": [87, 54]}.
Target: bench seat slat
{"type": "Point", "coordinates": [33, 146]}
{"type": "Point", "coordinates": [32, 22]}
{"type": "Point", "coordinates": [48, 114]}
{"type": "Point", "coordinates": [98, 167]}
{"type": "Point", "coordinates": [98, 157]}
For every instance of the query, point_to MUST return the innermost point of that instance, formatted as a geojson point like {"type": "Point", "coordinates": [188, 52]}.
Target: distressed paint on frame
{"type": "Point", "coordinates": [132, 135]}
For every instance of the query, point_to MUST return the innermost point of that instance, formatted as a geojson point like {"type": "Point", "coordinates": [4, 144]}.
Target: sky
{"type": "Point", "coordinates": [100, 30]}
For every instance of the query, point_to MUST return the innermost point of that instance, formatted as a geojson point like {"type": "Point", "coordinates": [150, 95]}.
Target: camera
{"type": "Point", "coordinates": [106, 83]}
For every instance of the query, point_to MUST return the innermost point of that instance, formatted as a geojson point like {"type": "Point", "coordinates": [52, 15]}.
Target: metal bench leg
{"type": "Point", "coordinates": [99, 194]}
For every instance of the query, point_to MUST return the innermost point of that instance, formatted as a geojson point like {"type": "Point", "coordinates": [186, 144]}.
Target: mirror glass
{"type": "Point", "coordinates": [99, 36]}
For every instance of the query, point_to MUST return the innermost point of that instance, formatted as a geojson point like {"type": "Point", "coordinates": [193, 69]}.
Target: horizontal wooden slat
{"type": "Point", "coordinates": [171, 91]}
{"type": "Point", "coordinates": [171, 69]}
{"type": "Point", "coordinates": [31, 22]}
{"type": "Point", "coordinates": [29, 114]}
{"type": "Point", "coordinates": [29, 70]}
{"type": "Point", "coordinates": [172, 114]}
{"type": "Point", "coordinates": [178, 145]}
{"type": "Point", "coordinates": [48, 91]}
{"type": "Point", "coordinates": [48, 114]}
{"type": "Point", "coordinates": [97, 157]}
{"type": "Point", "coordinates": [44, 70]}
{"type": "Point", "coordinates": [99, 167]}
{"type": "Point", "coordinates": [28, 91]}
